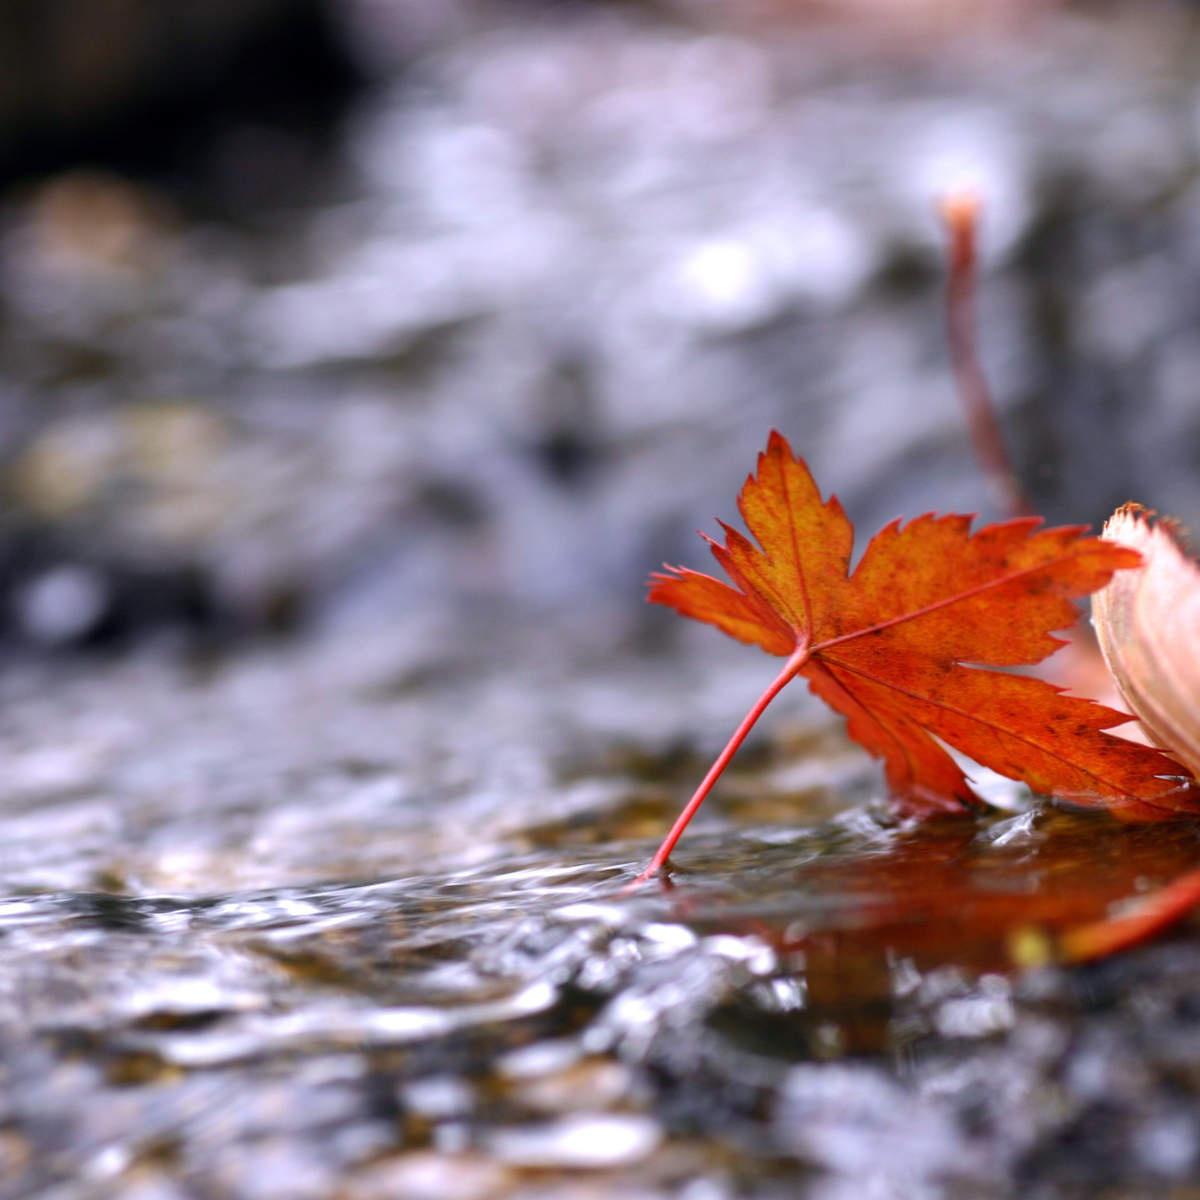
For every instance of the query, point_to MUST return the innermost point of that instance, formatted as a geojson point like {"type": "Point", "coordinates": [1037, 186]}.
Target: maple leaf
{"type": "Point", "coordinates": [888, 645]}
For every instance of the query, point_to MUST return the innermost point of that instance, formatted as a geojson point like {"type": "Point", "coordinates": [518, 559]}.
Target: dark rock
{"type": "Point", "coordinates": [124, 81]}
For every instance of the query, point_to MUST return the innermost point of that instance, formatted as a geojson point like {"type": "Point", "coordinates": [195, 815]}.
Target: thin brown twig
{"type": "Point", "coordinates": [960, 214]}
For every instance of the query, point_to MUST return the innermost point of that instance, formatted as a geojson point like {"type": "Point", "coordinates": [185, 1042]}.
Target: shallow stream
{"type": "Point", "coordinates": [372, 941]}
{"type": "Point", "coordinates": [333, 726]}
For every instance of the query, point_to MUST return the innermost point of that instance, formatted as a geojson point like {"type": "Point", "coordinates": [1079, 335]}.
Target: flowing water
{"type": "Point", "coordinates": [278, 929]}
{"type": "Point", "coordinates": [333, 728]}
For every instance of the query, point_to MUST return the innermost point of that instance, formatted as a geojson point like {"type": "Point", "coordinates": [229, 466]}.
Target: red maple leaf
{"type": "Point", "coordinates": [899, 645]}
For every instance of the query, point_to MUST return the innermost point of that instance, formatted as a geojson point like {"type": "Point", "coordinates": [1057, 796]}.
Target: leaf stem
{"type": "Point", "coordinates": [790, 670]}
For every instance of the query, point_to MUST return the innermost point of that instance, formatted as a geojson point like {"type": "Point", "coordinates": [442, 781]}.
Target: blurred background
{"type": "Point", "coordinates": [315, 314]}
{"type": "Point", "coordinates": [358, 360]}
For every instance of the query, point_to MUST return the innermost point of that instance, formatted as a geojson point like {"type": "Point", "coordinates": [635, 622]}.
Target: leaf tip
{"type": "Point", "coordinates": [657, 579]}
{"type": "Point", "coordinates": [778, 444]}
